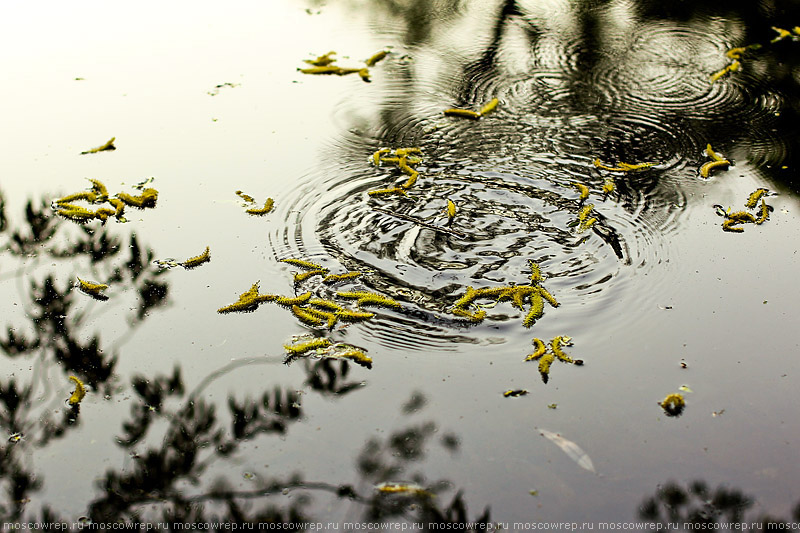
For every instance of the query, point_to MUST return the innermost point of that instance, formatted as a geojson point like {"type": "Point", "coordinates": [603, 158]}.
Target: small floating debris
{"type": "Point", "coordinates": [489, 107]}
{"type": "Point", "coordinates": [583, 190]}
{"type": "Point", "coordinates": [782, 34]}
{"type": "Point", "coordinates": [79, 392]}
{"type": "Point", "coordinates": [196, 261]}
{"type": "Point", "coordinates": [450, 211]}
{"type": "Point", "coordinates": [376, 57]}
{"type": "Point", "coordinates": [93, 289]}
{"type": "Point", "coordinates": [405, 159]}
{"type": "Point", "coordinates": [673, 404]}
{"type": "Point", "coordinates": [402, 488]}
{"type": "Point", "coordinates": [217, 88]}
{"type": "Point", "coordinates": [572, 450]}
{"type": "Point", "coordinates": [514, 393]}
{"type": "Point", "coordinates": [108, 146]}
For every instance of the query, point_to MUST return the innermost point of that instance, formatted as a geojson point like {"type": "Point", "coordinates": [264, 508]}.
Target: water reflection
{"type": "Point", "coordinates": [699, 504]}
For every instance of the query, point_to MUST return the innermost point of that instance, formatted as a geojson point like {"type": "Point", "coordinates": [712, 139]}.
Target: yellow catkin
{"type": "Point", "coordinates": [764, 213]}
{"type": "Point", "coordinates": [547, 296]}
{"type": "Point", "coordinates": [673, 404]}
{"type": "Point", "coordinates": [93, 289]}
{"type": "Point", "coordinates": [583, 190]}
{"type": "Point", "coordinates": [364, 74]}
{"type": "Point", "coordinates": [268, 205]}
{"type": "Point", "coordinates": [323, 60]}
{"type": "Point", "coordinates": [712, 154]}
{"type": "Point", "coordinates": [584, 211]}
{"type": "Point", "coordinates": [148, 198]}
{"type": "Point", "coordinates": [303, 347]}
{"type": "Point", "coordinates": [306, 317]}
{"type": "Point", "coordinates": [376, 156]}
{"type": "Point", "coordinates": [197, 260]}
{"type": "Point", "coordinates": [357, 356]}
{"type": "Point", "coordinates": [75, 213]}
{"type": "Point", "coordinates": [302, 276]}
{"type": "Point", "coordinates": [730, 225]}
{"type": "Point", "coordinates": [79, 393]}
{"type": "Point", "coordinates": [632, 167]}
{"type": "Point", "coordinates": [736, 53]}
{"type": "Point", "coordinates": [298, 300]}
{"type": "Point", "coordinates": [741, 216]}
{"type": "Point", "coordinates": [490, 106]}
{"type": "Point", "coordinates": [246, 197]}
{"type": "Point", "coordinates": [450, 210]}
{"type": "Point", "coordinates": [412, 179]}
{"type": "Point", "coordinates": [544, 364]}
{"type": "Point", "coordinates": [536, 310]}
{"type": "Point", "coordinates": [520, 293]}
{"type": "Point", "coordinates": [384, 192]}
{"type": "Point", "coordinates": [586, 224]}
{"type": "Point", "coordinates": [353, 316]}
{"type": "Point", "coordinates": [706, 168]}
{"type": "Point", "coordinates": [608, 186]}
{"type": "Point", "coordinates": [370, 298]}
{"type": "Point", "coordinates": [402, 152]}
{"type": "Point", "coordinates": [513, 393]}
{"type": "Point", "coordinates": [401, 488]}
{"type": "Point", "coordinates": [463, 113]}
{"type": "Point", "coordinates": [89, 196]}
{"type": "Point", "coordinates": [99, 189]}
{"type": "Point", "coordinates": [329, 318]}
{"type": "Point", "coordinates": [374, 58]}
{"type": "Point", "coordinates": [321, 303]}
{"type": "Point", "coordinates": [539, 350]}
{"type": "Point", "coordinates": [536, 271]}
{"type": "Point", "coordinates": [119, 207]}
{"type": "Point", "coordinates": [103, 213]}
{"type": "Point", "coordinates": [109, 145]}
{"type": "Point", "coordinates": [302, 263]}
{"type": "Point", "coordinates": [556, 344]}
{"type": "Point", "coordinates": [782, 34]}
{"type": "Point", "coordinates": [336, 278]}
{"type": "Point", "coordinates": [472, 317]}
{"type": "Point", "coordinates": [755, 196]}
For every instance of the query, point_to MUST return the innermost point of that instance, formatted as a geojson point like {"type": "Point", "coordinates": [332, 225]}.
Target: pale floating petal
{"type": "Point", "coordinates": [574, 451]}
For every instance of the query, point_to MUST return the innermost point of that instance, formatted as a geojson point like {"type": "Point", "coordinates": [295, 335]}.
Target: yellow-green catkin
{"type": "Point", "coordinates": [463, 113]}
{"type": "Point", "coordinates": [556, 347]}
{"type": "Point", "coordinates": [93, 289]}
{"type": "Point", "coordinates": [148, 198]}
{"type": "Point", "coordinates": [336, 278]}
{"type": "Point", "coordinates": [544, 365]}
{"type": "Point", "coordinates": [490, 106]}
{"type": "Point", "coordinates": [370, 298]}
{"type": "Point", "coordinates": [357, 356]}
{"type": "Point", "coordinates": [79, 393]}
{"type": "Point", "coordinates": [540, 348]}
{"type": "Point", "coordinates": [535, 311]}
{"type": "Point", "coordinates": [513, 393]}
{"type": "Point", "coordinates": [764, 213]}
{"type": "Point", "coordinates": [196, 261]}
{"type": "Point", "coordinates": [260, 211]}
{"type": "Point", "coordinates": [673, 404]}
{"type": "Point", "coordinates": [303, 347]}
{"type": "Point", "coordinates": [374, 58]}
{"type": "Point", "coordinates": [302, 276]}
{"type": "Point", "coordinates": [583, 190]}
{"type": "Point", "coordinates": [109, 145]}
{"type": "Point", "coordinates": [755, 196]}
{"type": "Point", "coordinates": [536, 272]}
{"type": "Point", "coordinates": [306, 317]}
{"type": "Point", "coordinates": [302, 263]}
{"type": "Point", "coordinates": [297, 300]}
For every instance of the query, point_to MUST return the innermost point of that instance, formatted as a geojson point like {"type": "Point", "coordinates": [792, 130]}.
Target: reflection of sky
{"type": "Point", "coordinates": [147, 71]}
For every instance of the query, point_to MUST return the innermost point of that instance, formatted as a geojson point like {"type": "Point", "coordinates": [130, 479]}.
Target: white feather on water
{"type": "Point", "coordinates": [574, 451]}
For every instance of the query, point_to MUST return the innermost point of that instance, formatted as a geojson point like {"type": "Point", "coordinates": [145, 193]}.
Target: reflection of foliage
{"type": "Point", "coordinates": [698, 504]}
{"type": "Point", "coordinates": [48, 251]}
{"type": "Point", "coordinates": [328, 376]}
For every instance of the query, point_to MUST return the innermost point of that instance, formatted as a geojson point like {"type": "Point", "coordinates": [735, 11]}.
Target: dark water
{"type": "Point", "coordinates": [192, 416]}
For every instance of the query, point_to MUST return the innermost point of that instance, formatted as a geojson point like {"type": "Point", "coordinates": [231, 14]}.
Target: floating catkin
{"type": "Point", "coordinates": [544, 365]}
{"type": "Point", "coordinates": [490, 106]}
{"type": "Point", "coordinates": [79, 392]}
{"type": "Point", "coordinates": [374, 58]}
{"type": "Point", "coordinates": [353, 316]}
{"type": "Point", "coordinates": [706, 168]}
{"type": "Point", "coordinates": [303, 347]}
{"type": "Point", "coordinates": [302, 276]}
{"type": "Point", "coordinates": [370, 298]}
{"type": "Point", "coordinates": [306, 317]}
{"type": "Point", "coordinates": [755, 196]}
{"type": "Point", "coordinates": [472, 317]}
{"type": "Point", "coordinates": [93, 289]}
{"type": "Point", "coordinates": [514, 393]}
{"type": "Point", "coordinates": [673, 404]}
{"type": "Point", "coordinates": [583, 190]}
{"type": "Point", "coordinates": [302, 263]}
{"type": "Point", "coordinates": [197, 260]}
{"type": "Point", "coordinates": [109, 145]}
{"type": "Point", "coordinates": [298, 300]}
{"type": "Point", "coordinates": [464, 113]}
{"type": "Point", "coordinates": [148, 198]}
{"type": "Point", "coordinates": [539, 350]}
{"type": "Point", "coordinates": [536, 310]}
{"type": "Point", "coordinates": [323, 60]}
{"type": "Point", "coordinates": [547, 296]}
{"type": "Point", "coordinates": [556, 347]}
{"type": "Point", "coordinates": [731, 226]}
{"type": "Point", "coordinates": [357, 356]}
{"type": "Point", "coordinates": [268, 205]}
{"type": "Point", "coordinates": [336, 278]}
{"type": "Point", "coordinates": [764, 212]}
